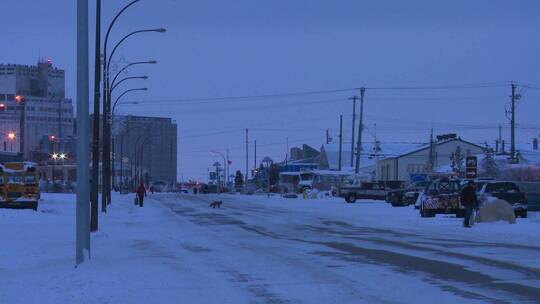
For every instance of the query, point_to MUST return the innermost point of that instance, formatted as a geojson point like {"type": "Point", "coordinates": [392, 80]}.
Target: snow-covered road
{"type": "Point", "coordinates": [265, 250]}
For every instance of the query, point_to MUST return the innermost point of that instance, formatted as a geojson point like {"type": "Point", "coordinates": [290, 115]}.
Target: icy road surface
{"type": "Point", "coordinates": [259, 250]}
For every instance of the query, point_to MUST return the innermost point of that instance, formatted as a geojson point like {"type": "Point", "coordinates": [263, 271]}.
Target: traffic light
{"type": "Point", "coordinates": [2, 107]}
{"type": "Point", "coordinates": [52, 138]}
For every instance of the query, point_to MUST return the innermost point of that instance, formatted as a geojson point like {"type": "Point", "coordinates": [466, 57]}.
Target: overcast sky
{"type": "Point", "coordinates": [244, 47]}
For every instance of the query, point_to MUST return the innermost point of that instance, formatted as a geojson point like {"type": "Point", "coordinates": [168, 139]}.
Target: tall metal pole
{"type": "Point", "coordinates": [227, 178]}
{"type": "Point", "coordinates": [82, 249]}
{"type": "Point", "coordinates": [105, 193]}
{"type": "Point", "coordinates": [354, 98]}
{"type": "Point", "coordinates": [360, 129]}
{"type": "Point", "coordinates": [340, 142]}
{"type": "Point", "coordinates": [513, 126]}
{"type": "Point", "coordinates": [255, 155]}
{"type": "Point", "coordinates": [95, 137]}
{"type": "Point", "coordinates": [22, 127]}
{"type": "Point", "coordinates": [247, 157]}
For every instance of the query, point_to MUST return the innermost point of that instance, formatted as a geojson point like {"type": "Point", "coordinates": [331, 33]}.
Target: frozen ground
{"type": "Point", "coordinates": [259, 250]}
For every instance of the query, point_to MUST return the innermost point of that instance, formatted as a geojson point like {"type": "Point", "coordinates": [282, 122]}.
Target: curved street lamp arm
{"type": "Point", "coordinates": [113, 22]}
{"type": "Point", "coordinates": [160, 30]}
{"type": "Point", "coordinates": [125, 79]}
{"type": "Point", "coordinates": [128, 66]}
{"type": "Point", "coordinates": [123, 94]}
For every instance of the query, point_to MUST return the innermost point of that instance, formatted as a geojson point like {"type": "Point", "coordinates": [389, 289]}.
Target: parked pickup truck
{"type": "Point", "coordinates": [367, 190]}
{"type": "Point", "coordinates": [507, 191]}
{"type": "Point", "coordinates": [441, 196]}
{"type": "Point", "coordinates": [406, 196]}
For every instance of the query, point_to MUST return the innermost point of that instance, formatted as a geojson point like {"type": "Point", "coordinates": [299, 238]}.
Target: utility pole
{"type": "Point", "coordinates": [360, 129]}
{"type": "Point", "coordinates": [228, 169]}
{"type": "Point", "coordinates": [515, 97]}
{"type": "Point", "coordinates": [340, 142]}
{"type": "Point", "coordinates": [255, 154]}
{"type": "Point", "coordinates": [247, 157]}
{"type": "Point", "coordinates": [82, 247]}
{"type": "Point", "coordinates": [431, 152]}
{"type": "Point", "coordinates": [499, 141]}
{"type": "Point", "coordinates": [22, 125]}
{"type": "Point", "coordinates": [95, 135]}
{"type": "Point", "coordinates": [287, 152]}
{"type": "Point", "coordinates": [327, 136]}
{"type": "Point", "coordinates": [354, 98]}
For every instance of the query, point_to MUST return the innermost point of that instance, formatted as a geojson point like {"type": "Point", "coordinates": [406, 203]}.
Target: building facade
{"type": "Point", "coordinates": [33, 104]}
{"type": "Point", "coordinates": [418, 160]}
{"type": "Point", "coordinates": [144, 148]}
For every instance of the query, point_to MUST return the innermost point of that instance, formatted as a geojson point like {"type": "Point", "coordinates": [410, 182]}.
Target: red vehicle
{"type": "Point", "coordinates": [442, 196]}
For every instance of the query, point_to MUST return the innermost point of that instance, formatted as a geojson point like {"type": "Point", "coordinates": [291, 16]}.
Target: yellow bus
{"type": "Point", "coordinates": [19, 185]}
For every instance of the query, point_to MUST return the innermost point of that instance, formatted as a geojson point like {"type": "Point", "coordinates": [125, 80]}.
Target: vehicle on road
{"type": "Point", "coordinates": [441, 196]}
{"type": "Point", "coordinates": [357, 188]}
{"type": "Point", "coordinates": [19, 185]}
{"type": "Point", "coordinates": [160, 186]}
{"type": "Point", "coordinates": [406, 196]}
{"type": "Point", "coordinates": [507, 191]}
{"type": "Point", "coordinates": [295, 182]}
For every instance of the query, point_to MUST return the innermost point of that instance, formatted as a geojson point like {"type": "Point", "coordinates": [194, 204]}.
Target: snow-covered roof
{"type": "Point", "coordinates": [368, 158]}
{"type": "Point", "coordinates": [423, 146]}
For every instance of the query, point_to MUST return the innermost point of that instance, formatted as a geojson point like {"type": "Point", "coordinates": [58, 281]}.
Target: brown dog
{"type": "Point", "coordinates": [216, 204]}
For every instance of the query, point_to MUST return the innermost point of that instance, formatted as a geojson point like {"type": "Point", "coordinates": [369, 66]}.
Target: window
{"type": "Point", "coordinates": [14, 179]}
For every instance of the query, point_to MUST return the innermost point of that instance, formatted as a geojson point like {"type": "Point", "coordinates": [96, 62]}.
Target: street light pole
{"type": "Point", "coordinates": [107, 112]}
{"type": "Point", "coordinates": [105, 97]}
{"type": "Point", "coordinates": [112, 135]}
{"type": "Point", "coordinates": [95, 137]}
{"type": "Point", "coordinates": [225, 163]}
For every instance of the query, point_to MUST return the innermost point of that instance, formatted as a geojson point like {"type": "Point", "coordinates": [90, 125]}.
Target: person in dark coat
{"type": "Point", "coordinates": [141, 193]}
{"type": "Point", "coordinates": [469, 201]}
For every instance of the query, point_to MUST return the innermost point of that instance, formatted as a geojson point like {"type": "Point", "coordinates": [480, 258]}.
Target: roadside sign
{"type": "Point", "coordinates": [471, 171]}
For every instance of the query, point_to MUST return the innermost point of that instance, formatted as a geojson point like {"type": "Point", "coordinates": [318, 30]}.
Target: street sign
{"type": "Point", "coordinates": [471, 171]}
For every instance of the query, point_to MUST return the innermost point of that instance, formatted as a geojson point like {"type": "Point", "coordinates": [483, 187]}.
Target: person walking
{"type": "Point", "coordinates": [469, 201]}
{"type": "Point", "coordinates": [141, 193]}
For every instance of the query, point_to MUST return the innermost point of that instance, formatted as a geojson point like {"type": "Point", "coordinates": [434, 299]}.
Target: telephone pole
{"type": "Point", "coordinates": [327, 136]}
{"type": "Point", "coordinates": [340, 142]}
{"type": "Point", "coordinates": [255, 155]}
{"type": "Point", "coordinates": [515, 97]}
{"type": "Point", "coordinates": [247, 157]}
{"type": "Point", "coordinates": [354, 98]}
{"type": "Point", "coordinates": [360, 129]}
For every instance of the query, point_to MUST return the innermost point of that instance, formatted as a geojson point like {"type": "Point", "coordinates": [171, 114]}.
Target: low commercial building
{"type": "Point", "coordinates": [422, 159]}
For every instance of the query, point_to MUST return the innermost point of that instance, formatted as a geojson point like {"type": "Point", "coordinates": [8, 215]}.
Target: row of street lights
{"type": "Point", "coordinates": [108, 107]}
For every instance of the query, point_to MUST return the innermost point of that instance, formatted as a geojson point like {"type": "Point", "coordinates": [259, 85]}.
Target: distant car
{"type": "Point", "coordinates": [407, 196]}
{"type": "Point", "coordinates": [160, 186]}
{"type": "Point", "coordinates": [507, 191]}
{"type": "Point", "coordinates": [357, 189]}
{"type": "Point", "coordinates": [441, 196]}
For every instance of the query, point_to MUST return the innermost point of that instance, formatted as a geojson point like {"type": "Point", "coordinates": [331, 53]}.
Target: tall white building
{"type": "Point", "coordinates": [34, 95]}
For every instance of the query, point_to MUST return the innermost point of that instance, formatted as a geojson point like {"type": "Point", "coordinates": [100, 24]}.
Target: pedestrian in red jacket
{"type": "Point", "coordinates": [141, 193]}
